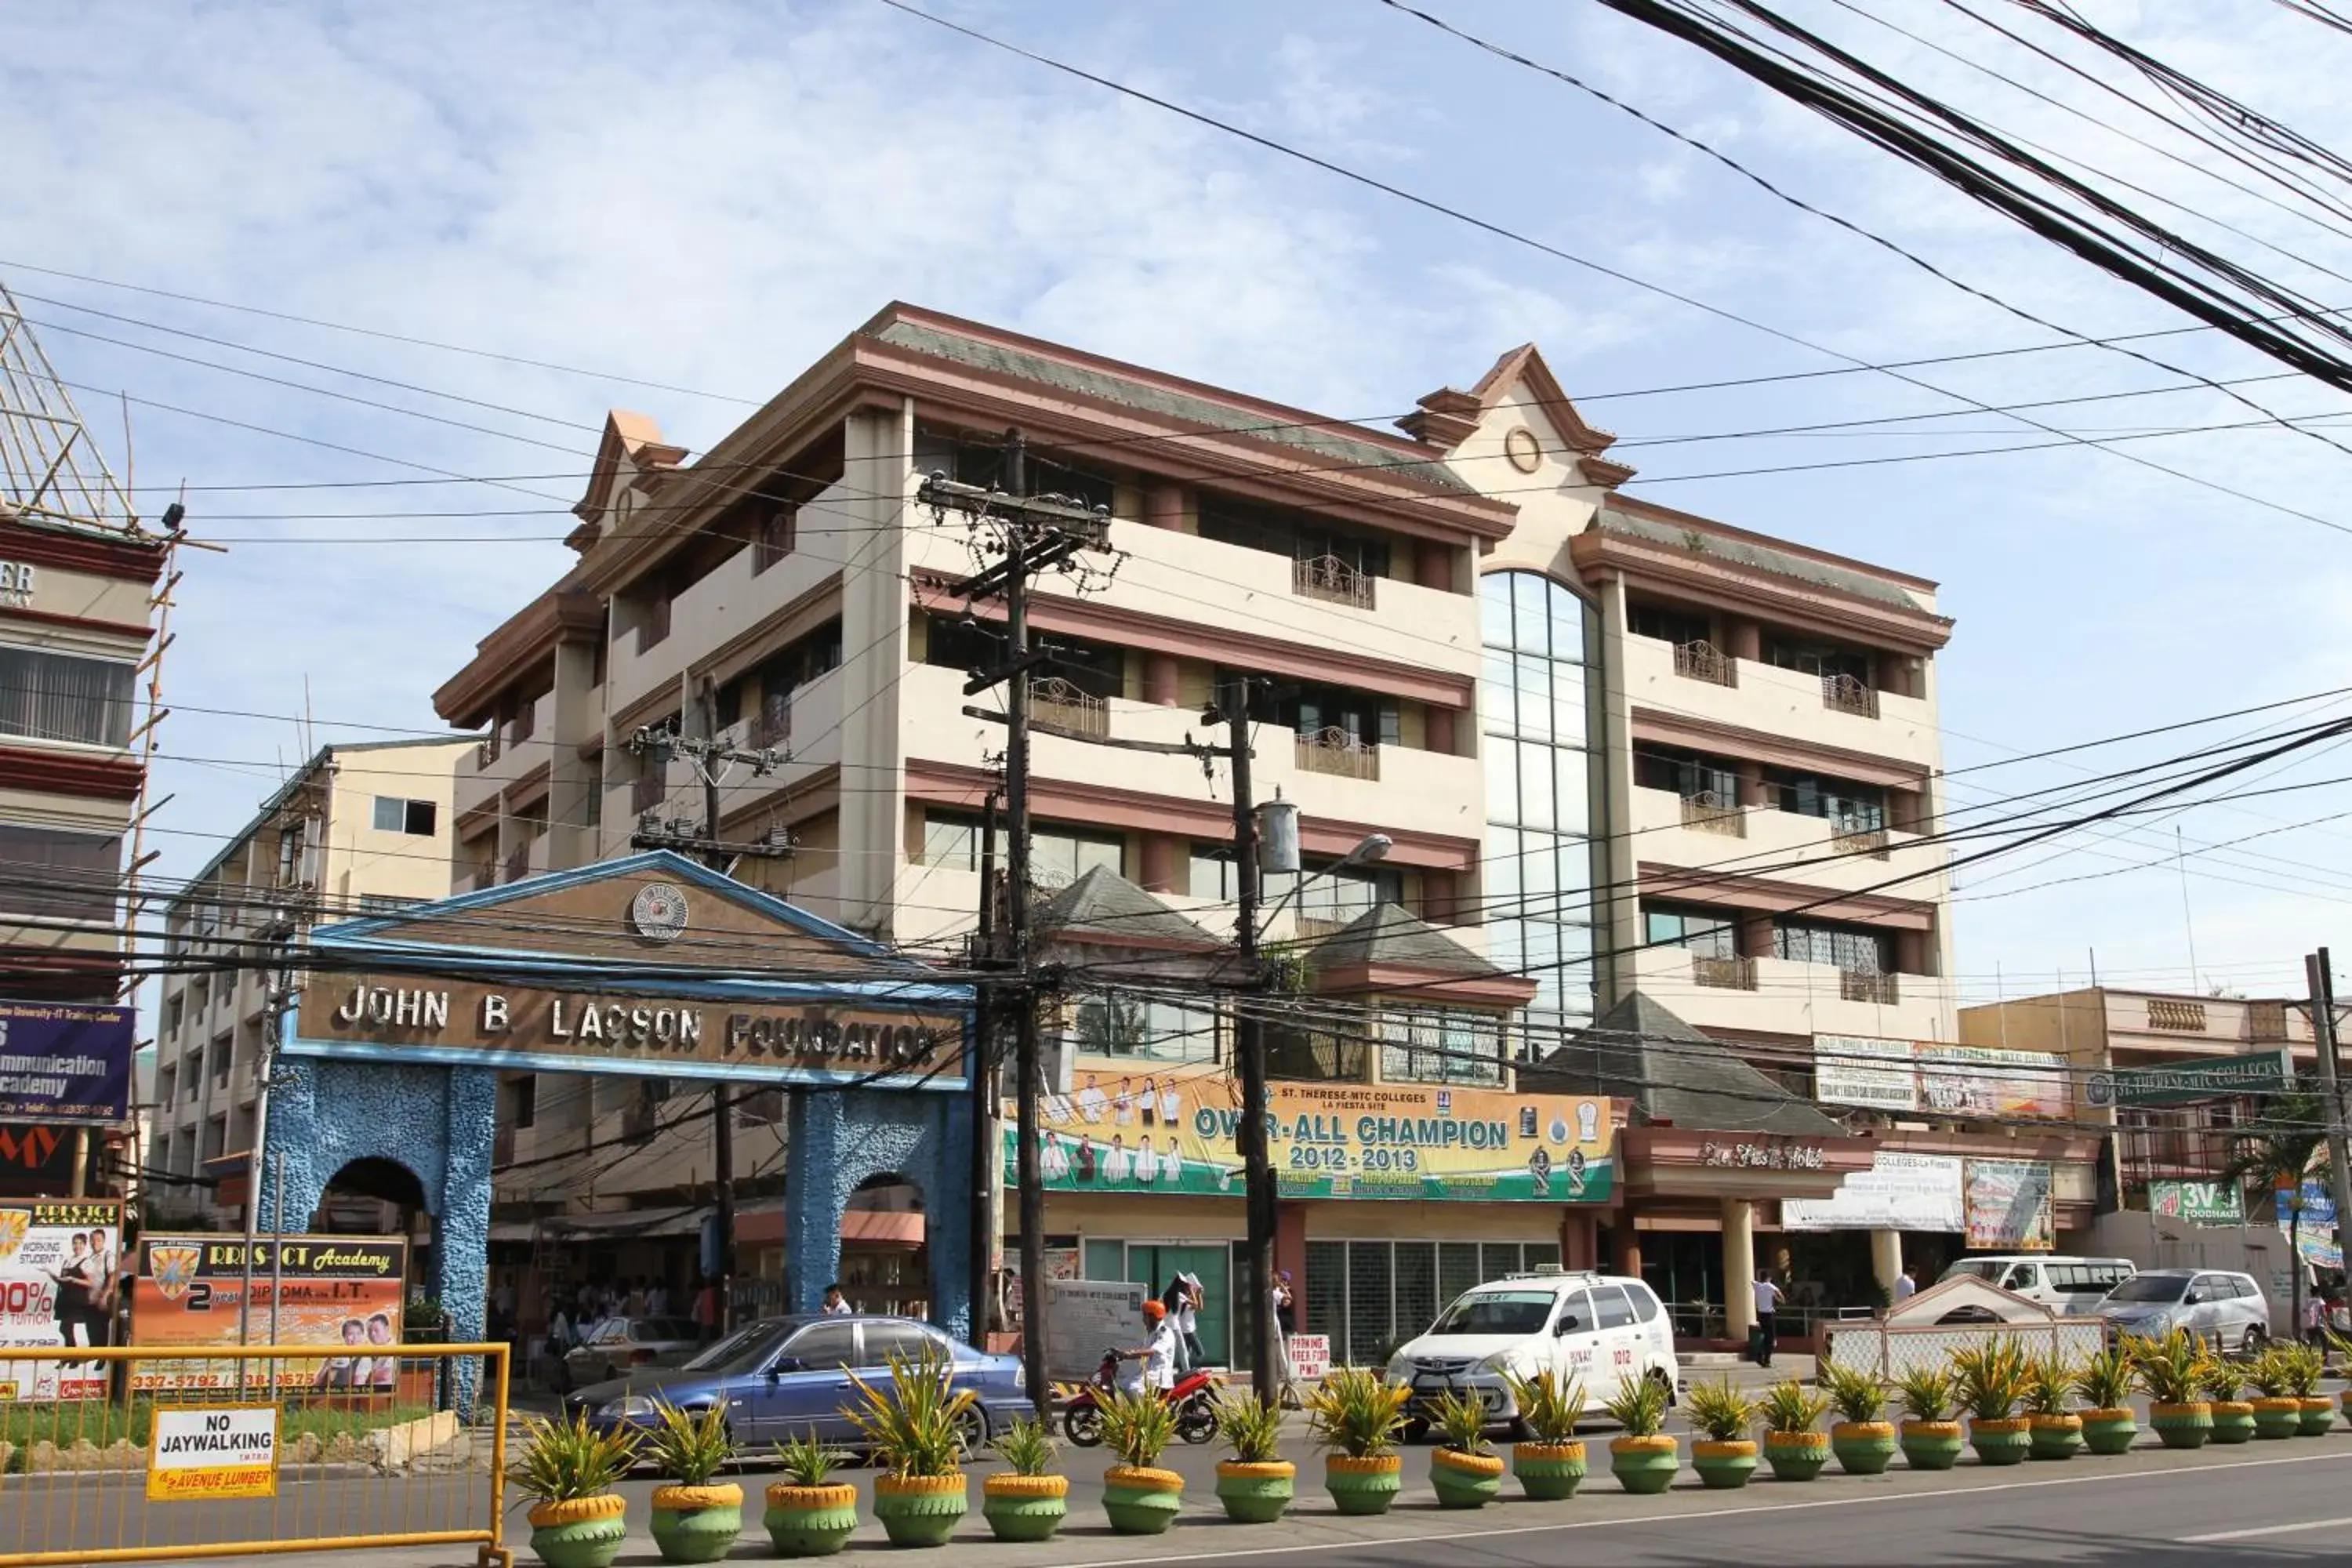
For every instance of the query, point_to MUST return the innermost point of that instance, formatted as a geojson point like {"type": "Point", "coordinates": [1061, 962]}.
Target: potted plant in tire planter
{"type": "Point", "coordinates": [2172, 1372]}
{"type": "Point", "coordinates": [568, 1470]}
{"type": "Point", "coordinates": [694, 1521]}
{"type": "Point", "coordinates": [2105, 1382]}
{"type": "Point", "coordinates": [1643, 1459]}
{"type": "Point", "coordinates": [1025, 1501]}
{"type": "Point", "coordinates": [809, 1514]}
{"type": "Point", "coordinates": [1795, 1444]}
{"type": "Point", "coordinates": [916, 1432]}
{"type": "Point", "coordinates": [2305, 1365]}
{"type": "Point", "coordinates": [2278, 1413]}
{"type": "Point", "coordinates": [1258, 1484]}
{"type": "Point", "coordinates": [1862, 1438]}
{"type": "Point", "coordinates": [1930, 1439]}
{"type": "Point", "coordinates": [1989, 1379]}
{"type": "Point", "coordinates": [1355, 1415]}
{"type": "Point", "coordinates": [1140, 1498]}
{"type": "Point", "coordinates": [2049, 1405]}
{"type": "Point", "coordinates": [1464, 1470]}
{"type": "Point", "coordinates": [1550, 1463]}
{"type": "Point", "coordinates": [1725, 1457]}
{"type": "Point", "coordinates": [2224, 1387]}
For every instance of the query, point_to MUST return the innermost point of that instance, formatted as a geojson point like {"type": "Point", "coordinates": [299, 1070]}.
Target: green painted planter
{"type": "Point", "coordinates": [2056, 1437]}
{"type": "Point", "coordinates": [696, 1524]}
{"type": "Point", "coordinates": [2109, 1431]}
{"type": "Point", "coordinates": [1256, 1492]}
{"type": "Point", "coordinates": [1025, 1507]}
{"type": "Point", "coordinates": [919, 1511]}
{"type": "Point", "coordinates": [1142, 1501]}
{"type": "Point", "coordinates": [1645, 1466]}
{"type": "Point", "coordinates": [2234, 1421]}
{"type": "Point", "coordinates": [1724, 1467]}
{"type": "Point", "coordinates": [1932, 1445]}
{"type": "Point", "coordinates": [1864, 1447]}
{"type": "Point", "coordinates": [1797, 1455]}
{"type": "Point", "coordinates": [2276, 1418]}
{"type": "Point", "coordinates": [810, 1521]}
{"type": "Point", "coordinates": [2182, 1425]}
{"type": "Point", "coordinates": [2006, 1440]}
{"type": "Point", "coordinates": [584, 1533]}
{"type": "Point", "coordinates": [2318, 1415]}
{"type": "Point", "coordinates": [1548, 1472]}
{"type": "Point", "coordinates": [1363, 1485]}
{"type": "Point", "coordinates": [1464, 1480]}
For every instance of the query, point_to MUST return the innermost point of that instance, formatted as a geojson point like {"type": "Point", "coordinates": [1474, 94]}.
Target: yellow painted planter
{"type": "Point", "coordinates": [1008, 1485]}
{"type": "Point", "coordinates": [727, 1495]}
{"type": "Point", "coordinates": [575, 1511]}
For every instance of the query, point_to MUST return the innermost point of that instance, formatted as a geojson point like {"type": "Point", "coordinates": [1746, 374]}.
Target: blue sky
{"type": "Point", "coordinates": [709, 195]}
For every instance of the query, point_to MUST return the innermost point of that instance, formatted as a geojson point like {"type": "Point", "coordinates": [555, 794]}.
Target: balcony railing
{"type": "Point", "coordinates": [2186, 1016]}
{"type": "Point", "coordinates": [1335, 751]}
{"type": "Point", "coordinates": [648, 789]}
{"type": "Point", "coordinates": [1722, 973]}
{"type": "Point", "coordinates": [1055, 701]}
{"type": "Point", "coordinates": [1844, 694]}
{"type": "Point", "coordinates": [1702, 660]}
{"type": "Point", "coordinates": [1861, 985]}
{"type": "Point", "coordinates": [1706, 812]}
{"type": "Point", "coordinates": [1870, 841]}
{"type": "Point", "coordinates": [519, 863]}
{"type": "Point", "coordinates": [771, 725]}
{"type": "Point", "coordinates": [1329, 578]}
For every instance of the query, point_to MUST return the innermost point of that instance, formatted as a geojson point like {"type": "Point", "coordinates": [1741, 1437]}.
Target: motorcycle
{"type": "Point", "coordinates": [1193, 1399]}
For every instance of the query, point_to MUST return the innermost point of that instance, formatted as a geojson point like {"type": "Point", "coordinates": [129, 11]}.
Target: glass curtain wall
{"type": "Point", "coordinates": [1536, 699]}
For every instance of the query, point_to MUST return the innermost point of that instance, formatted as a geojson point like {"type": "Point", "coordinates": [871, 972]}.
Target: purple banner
{"type": "Point", "coordinates": [65, 1061]}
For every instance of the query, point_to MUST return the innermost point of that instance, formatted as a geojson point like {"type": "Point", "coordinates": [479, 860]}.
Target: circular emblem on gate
{"type": "Point", "coordinates": [2100, 1089]}
{"type": "Point", "coordinates": [658, 911]}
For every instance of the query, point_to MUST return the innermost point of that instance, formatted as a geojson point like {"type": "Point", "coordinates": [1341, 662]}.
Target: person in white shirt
{"type": "Point", "coordinates": [1123, 1105]}
{"type": "Point", "coordinates": [1904, 1286]}
{"type": "Point", "coordinates": [1118, 1166]}
{"type": "Point", "coordinates": [836, 1305]}
{"type": "Point", "coordinates": [1172, 1164]}
{"type": "Point", "coordinates": [1171, 1105]}
{"type": "Point", "coordinates": [1768, 1312]}
{"type": "Point", "coordinates": [1157, 1355]}
{"type": "Point", "coordinates": [1092, 1101]}
{"type": "Point", "coordinates": [1147, 1160]}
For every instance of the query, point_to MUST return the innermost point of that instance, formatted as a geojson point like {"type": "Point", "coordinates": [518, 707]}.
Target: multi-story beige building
{"type": "Point", "coordinates": [358, 830]}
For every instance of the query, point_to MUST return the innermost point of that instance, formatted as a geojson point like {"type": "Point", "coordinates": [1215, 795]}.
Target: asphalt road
{"type": "Point", "coordinates": [2267, 1503]}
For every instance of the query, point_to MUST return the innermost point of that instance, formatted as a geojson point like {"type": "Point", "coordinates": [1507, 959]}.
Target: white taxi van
{"type": "Point", "coordinates": [1602, 1329]}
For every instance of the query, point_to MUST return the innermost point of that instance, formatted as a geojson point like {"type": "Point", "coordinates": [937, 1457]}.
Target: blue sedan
{"type": "Point", "coordinates": [787, 1377]}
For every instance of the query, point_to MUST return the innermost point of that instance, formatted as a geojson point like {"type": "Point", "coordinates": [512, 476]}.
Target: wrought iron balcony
{"type": "Point", "coordinates": [1702, 660]}
{"type": "Point", "coordinates": [1335, 751]}
{"type": "Point", "coordinates": [1329, 578]}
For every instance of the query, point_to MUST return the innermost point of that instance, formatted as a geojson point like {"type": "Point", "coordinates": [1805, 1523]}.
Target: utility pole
{"type": "Point", "coordinates": [1249, 1042]}
{"type": "Point", "coordinates": [987, 1158]}
{"type": "Point", "coordinates": [719, 856]}
{"type": "Point", "coordinates": [1036, 534]}
{"type": "Point", "coordinates": [2323, 1030]}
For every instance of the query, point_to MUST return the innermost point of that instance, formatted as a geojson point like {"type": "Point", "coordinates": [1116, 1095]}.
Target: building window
{"type": "Point", "coordinates": [1853, 807]}
{"type": "Point", "coordinates": [1140, 1026]}
{"type": "Point", "coordinates": [1058, 856]}
{"type": "Point", "coordinates": [778, 537]}
{"type": "Point", "coordinates": [1327, 898]}
{"type": "Point", "coordinates": [1679, 627]}
{"type": "Point", "coordinates": [70, 876]}
{"type": "Point", "coordinates": [1824, 659]}
{"type": "Point", "coordinates": [1301, 538]}
{"type": "Point", "coordinates": [1857, 949]}
{"type": "Point", "coordinates": [57, 697]}
{"type": "Point", "coordinates": [1534, 701]}
{"type": "Point", "coordinates": [1710, 934]}
{"type": "Point", "coordinates": [1442, 1045]}
{"type": "Point", "coordinates": [385, 903]}
{"type": "Point", "coordinates": [765, 692]}
{"type": "Point", "coordinates": [412, 817]}
{"type": "Point", "coordinates": [1712, 780]}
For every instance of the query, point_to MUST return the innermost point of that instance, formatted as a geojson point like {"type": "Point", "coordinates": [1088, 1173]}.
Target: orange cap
{"type": "Point", "coordinates": [1154, 1310]}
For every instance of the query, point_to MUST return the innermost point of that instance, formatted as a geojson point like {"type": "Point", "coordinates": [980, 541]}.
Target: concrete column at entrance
{"type": "Point", "coordinates": [1626, 1247]}
{"type": "Point", "coordinates": [1580, 1239]}
{"type": "Point", "coordinates": [1740, 1265]}
{"type": "Point", "coordinates": [1163, 681]}
{"type": "Point", "coordinates": [1742, 638]}
{"type": "Point", "coordinates": [1887, 1259]}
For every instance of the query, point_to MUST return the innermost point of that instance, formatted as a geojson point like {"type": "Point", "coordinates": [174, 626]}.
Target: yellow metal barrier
{"type": "Point", "coordinates": [188, 1452]}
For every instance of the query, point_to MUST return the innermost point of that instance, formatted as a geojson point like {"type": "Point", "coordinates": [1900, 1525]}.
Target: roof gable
{"type": "Point", "coordinates": [1641, 1052]}
{"type": "Point", "coordinates": [1103, 906]}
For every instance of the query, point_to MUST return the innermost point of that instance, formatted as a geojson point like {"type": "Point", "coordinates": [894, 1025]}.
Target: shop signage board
{"type": "Point", "coordinates": [2254, 1072]}
{"type": "Point", "coordinates": [1855, 1069]}
{"type": "Point", "coordinates": [340, 1290]}
{"type": "Point", "coordinates": [1899, 1191]}
{"type": "Point", "coordinates": [60, 1264]}
{"type": "Point", "coordinates": [2317, 1232]}
{"type": "Point", "coordinates": [212, 1452]}
{"type": "Point", "coordinates": [1174, 1131]}
{"type": "Point", "coordinates": [65, 1061]}
{"type": "Point", "coordinates": [1901, 1076]}
{"type": "Point", "coordinates": [1084, 1318]}
{"type": "Point", "coordinates": [2199, 1203]}
{"type": "Point", "coordinates": [2008, 1205]}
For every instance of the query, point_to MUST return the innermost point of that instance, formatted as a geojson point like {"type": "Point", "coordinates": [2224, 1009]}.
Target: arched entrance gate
{"type": "Point", "coordinates": [651, 966]}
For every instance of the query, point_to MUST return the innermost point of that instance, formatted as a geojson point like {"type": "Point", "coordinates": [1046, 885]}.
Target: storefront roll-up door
{"type": "Point", "coordinates": [1368, 1296]}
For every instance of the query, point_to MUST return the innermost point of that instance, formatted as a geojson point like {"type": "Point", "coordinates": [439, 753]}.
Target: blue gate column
{"type": "Point", "coordinates": [835, 1140]}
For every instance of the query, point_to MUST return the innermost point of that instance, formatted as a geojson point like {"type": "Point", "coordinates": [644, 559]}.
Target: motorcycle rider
{"type": "Point", "coordinates": [1157, 1355]}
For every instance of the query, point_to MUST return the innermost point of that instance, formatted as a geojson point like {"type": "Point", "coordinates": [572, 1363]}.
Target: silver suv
{"type": "Point", "coordinates": [2228, 1312]}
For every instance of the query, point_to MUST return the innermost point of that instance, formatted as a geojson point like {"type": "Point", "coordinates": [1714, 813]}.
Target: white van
{"type": "Point", "coordinates": [2074, 1285]}
{"type": "Point", "coordinates": [1602, 1329]}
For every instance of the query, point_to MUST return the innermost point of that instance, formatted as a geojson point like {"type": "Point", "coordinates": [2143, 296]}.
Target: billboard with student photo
{"type": "Point", "coordinates": [59, 1262]}
{"type": "Point", "coordinates": [343, 1291]}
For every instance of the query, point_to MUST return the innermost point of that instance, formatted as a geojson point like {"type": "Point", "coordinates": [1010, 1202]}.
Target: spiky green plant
{"type": "Point", "coordinates": [1926, 1393]}
{"type": "Point", "coordinates": [1790, 1406]}
{"type": "Point", "coordinates": [1550, 1404]}
{"type": "Point", "coordinates": [1989, 1379]}
{"type": "Point", "coordinates": [1250, 1427]}
{"type": "Point", "coordinates": [1857, 1395]}
{"type": "Point", "coordinates": [1460, 1417]}
{"type": "Point", "coordinates": [1721, 1411]}
{"type": "Point", "coordinates": [2271, 1375]}
{"type": "Point", "coordinates": [2048, 1383]}
{"type": "Point", "coordinates": [2105, 1379]}
{"type": "Point", "coordinates": [2304, 1366]}
{"type": "Point", "coordinates": [2170, 1369]}
{"type": "Point", "coordinates": [691, 1447]}
{"type": "Point", "coordinates": [566, 1460]}
{"type": "Point", "coordinates": [1137, 1425]}
{"type": "Point", "coordinates": [1026, 1447]}
{"type": "Point", "coordinates": [807, 1460]}
{"type": "Point", "coordinates": [1639, 1406]}
{"type": "Point", "coordinates": [2223, 1381]}
{"type": "Point", "coordinates": [1357, 1411]}
{"type": "Point", "coordinates": [915, 1426]}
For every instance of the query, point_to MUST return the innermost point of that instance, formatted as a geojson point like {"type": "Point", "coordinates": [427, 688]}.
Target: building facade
{"type": "Point", "coordinates": [358, 830]}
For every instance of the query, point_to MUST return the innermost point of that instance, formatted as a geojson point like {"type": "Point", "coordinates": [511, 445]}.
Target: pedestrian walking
{"type": "Point", "coordinates": [1285, 1325]}
{"type": "Point", "coordinates": [1768, 1313]}
{"type": "Point", "coordinates": [1904, 1286]}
